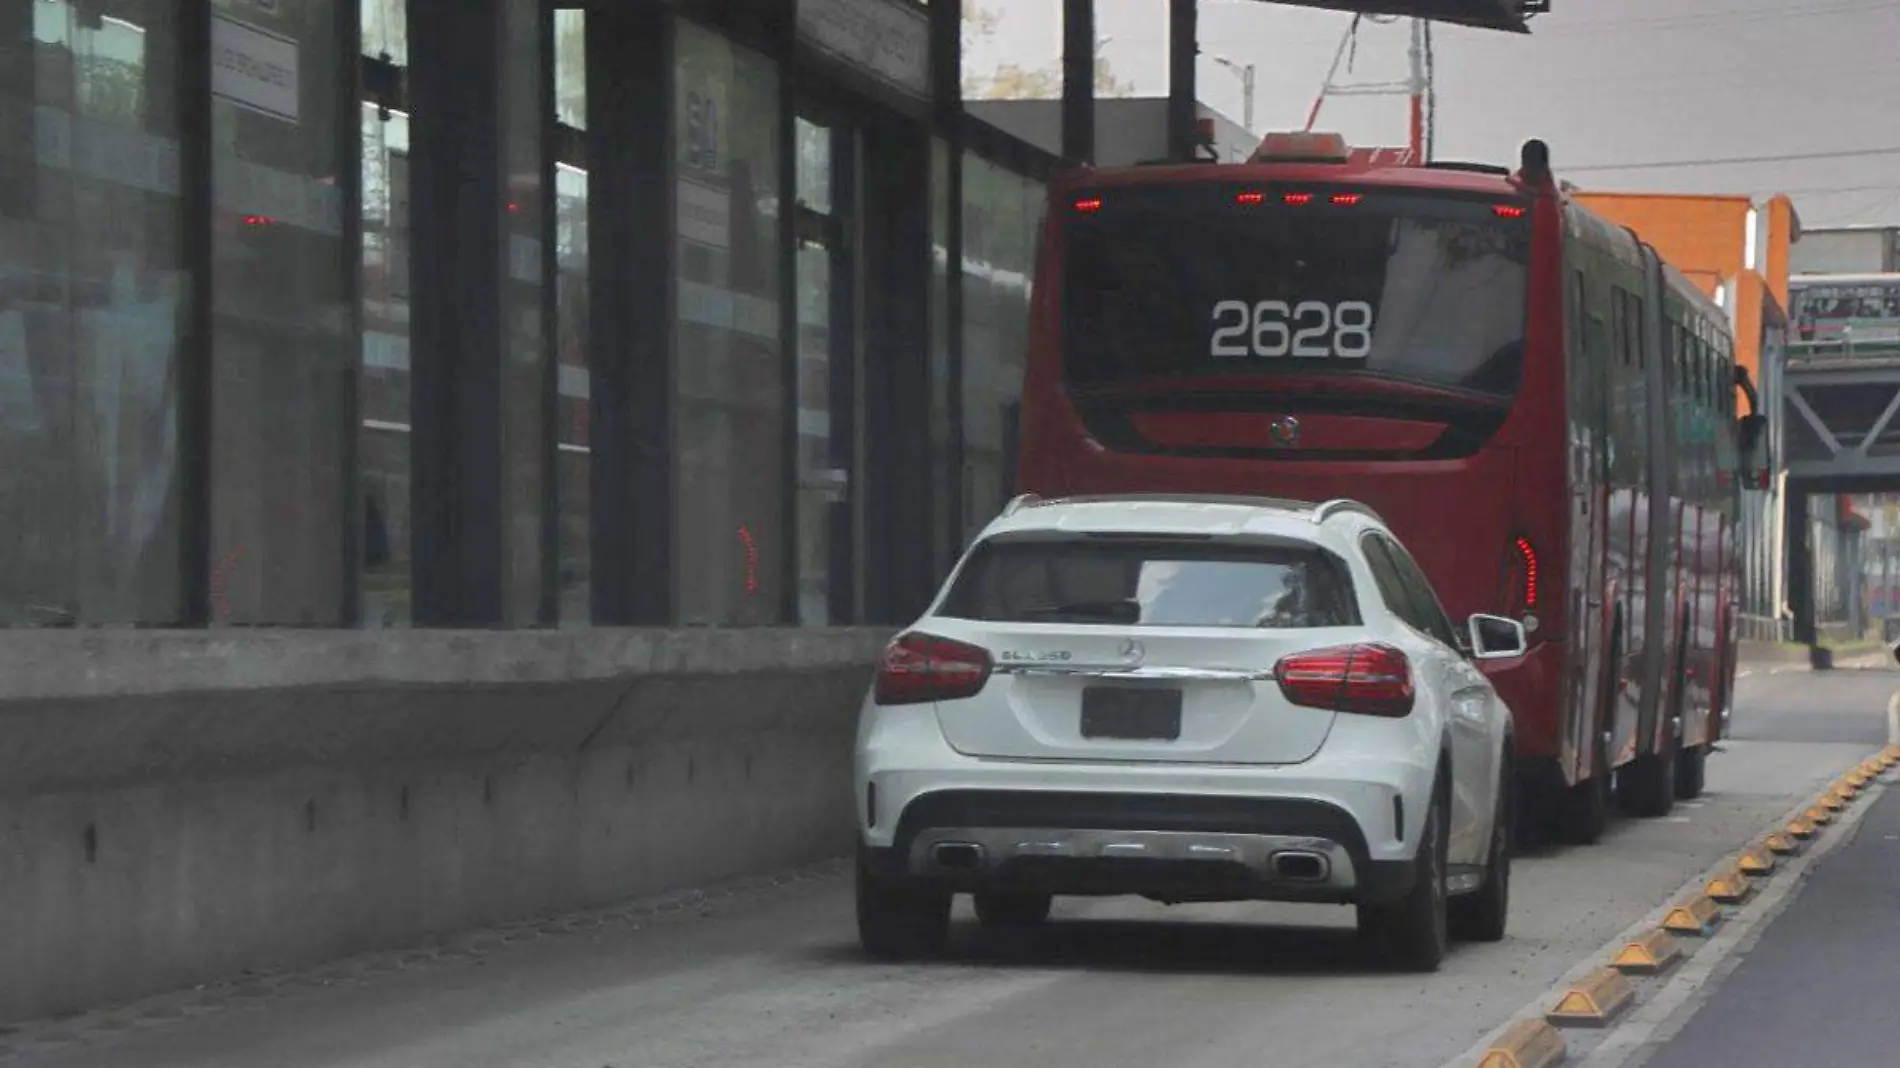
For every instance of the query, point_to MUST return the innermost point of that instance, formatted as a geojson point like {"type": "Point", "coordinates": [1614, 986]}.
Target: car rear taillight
{"type": "Point", "coordinates": [1368, 679]}
{"type": "Point", "coordinates": [923, 667]}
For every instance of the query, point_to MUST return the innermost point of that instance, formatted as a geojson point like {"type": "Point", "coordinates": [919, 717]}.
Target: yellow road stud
{"type": "Point", "coordinates": [1730, 887]}
{"type": "Point", "coordinates": [1696, 916]}
{"type": "Point", "coordinates": [1856, 779]}
{"type": "Point", "coordinates": [1800, 828]}
{"type": "Point", "coordinates": [1652, 954]}
{"type": "Point", "coordinates": [1819, 815]}
{"type": "Point", "coordinates": [1596, 1000]}
{"type": "Point", "coordinates": [1756, 860]}
{"type": "Point", "coordinates": [1833, 802]}
{"type": "Point", "coordinates": [1782, 844]}
{"type": "Point", "coordinates": [1526, 1044]}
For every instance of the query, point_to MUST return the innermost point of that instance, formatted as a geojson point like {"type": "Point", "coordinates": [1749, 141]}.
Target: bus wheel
{"type": "Point", "coordinates": [1647, 787]}
{"type": "Point", "coordinates": [1691, 765]}
{"type": "Point", "coordinates": [1583, 812]}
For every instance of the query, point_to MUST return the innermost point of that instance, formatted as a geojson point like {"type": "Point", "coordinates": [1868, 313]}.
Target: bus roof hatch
{"type": "Point", "coordinates": [1302, 147]}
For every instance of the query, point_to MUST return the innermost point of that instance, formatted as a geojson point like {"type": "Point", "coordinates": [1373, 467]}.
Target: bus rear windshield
{"type": "Point", "coordinates": [1216, 280]}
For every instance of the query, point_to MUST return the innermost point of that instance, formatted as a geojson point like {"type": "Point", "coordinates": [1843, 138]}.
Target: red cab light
{"type": "Point", "coordinates": [1369, 679]}
{"type": "Point", "coordinates": [1298, 199]}
{"type": "Point", "coordinates": [1508, 211]}
{"type": "Point", "coordinates": [923, 667]}
{"type": "Point", "coordinates": [1347, 200]}
{"type": "Point", "coordinates": [1089, 204]}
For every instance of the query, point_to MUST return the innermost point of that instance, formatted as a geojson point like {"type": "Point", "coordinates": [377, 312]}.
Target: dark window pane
{"type": "Point", "coordinates": [1002, 213]}
{"type": "Point", "coordinates": [731, 400]}
{"type": "Point", "coordinates": [1154, 584]}
{"type": "Point", "coordinates": [93, 296]}
{"type": "Point", "coordinates": [283, 345]}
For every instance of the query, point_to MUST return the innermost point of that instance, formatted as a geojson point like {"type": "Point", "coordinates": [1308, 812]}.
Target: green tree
{"type": "Point", "coordinates": [1011, 81]}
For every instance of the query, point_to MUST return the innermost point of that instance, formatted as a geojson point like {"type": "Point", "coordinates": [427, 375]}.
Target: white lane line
{"type": "Point", "coordinates": [1658, 1020]}
{"type": "Point", "coordinates": [1536, 1007]}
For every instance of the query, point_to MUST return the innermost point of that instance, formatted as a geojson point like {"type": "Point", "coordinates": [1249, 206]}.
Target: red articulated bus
{"type": "Point", "coordinates": [1540, 407]}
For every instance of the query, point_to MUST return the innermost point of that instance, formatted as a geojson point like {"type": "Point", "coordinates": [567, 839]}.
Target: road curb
{"type": "Point", "coordinates": [1693, 912]}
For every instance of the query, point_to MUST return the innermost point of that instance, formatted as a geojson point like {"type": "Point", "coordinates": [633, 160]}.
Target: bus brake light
{"type": "Point", "coordinates": [1527, 558]}
{"type": "Point", "coordinates": [1250, 199]}
{"type": "Point", "coordinates": [1346, 200]}
{"type": "Point", "coordinates": [1088, 204]}
{"type": "Point", "coordinates": [1508, 211]}
{"type": "Point", "coordinates": [1298, 199]}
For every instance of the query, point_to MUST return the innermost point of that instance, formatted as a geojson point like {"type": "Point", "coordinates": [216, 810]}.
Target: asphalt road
{"type": "Point", "coordinates": [769, 975]}
{"type": "Point", "coordinates": [1818, 985]}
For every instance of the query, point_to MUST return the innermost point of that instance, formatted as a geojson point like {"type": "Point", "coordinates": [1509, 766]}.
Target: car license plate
{"type": "Point", "coordinates": [1131, 713]}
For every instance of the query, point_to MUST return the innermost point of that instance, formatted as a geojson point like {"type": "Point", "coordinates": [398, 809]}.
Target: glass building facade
{"type": "Point", "coordinates": [499, 313]}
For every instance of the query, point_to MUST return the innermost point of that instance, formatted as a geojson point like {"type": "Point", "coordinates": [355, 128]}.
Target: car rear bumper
{"type": "Point", "coordinates": [1341, 827]}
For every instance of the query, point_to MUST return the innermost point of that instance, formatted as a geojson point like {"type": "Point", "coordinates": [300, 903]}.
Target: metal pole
{"type": "Point", "coordinates": [1247, 83]}
{"type": "Point", "coordinates": [1183, 48]}
{"type": "Point", "coordinates": [1078, 82]}
{"type": "Point", "coordinates": [1417, 85]}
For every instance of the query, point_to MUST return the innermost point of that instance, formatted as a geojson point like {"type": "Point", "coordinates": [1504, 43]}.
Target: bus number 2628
{"type": "Point", "coordinates": [1311, 329]}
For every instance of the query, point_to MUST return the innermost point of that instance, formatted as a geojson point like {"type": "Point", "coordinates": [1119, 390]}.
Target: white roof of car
{"type": "Point", "coordinates": [1172, 514]}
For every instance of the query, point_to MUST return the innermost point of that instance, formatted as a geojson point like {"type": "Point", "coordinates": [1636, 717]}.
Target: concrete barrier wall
{"type": "Point", "coordinates": [177, 807]}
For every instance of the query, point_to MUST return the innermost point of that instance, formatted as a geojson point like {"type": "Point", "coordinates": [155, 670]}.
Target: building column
{"type": "Point", "coordinates": [460, 260]}
{"type": "Point", "coordinates": [631, 246]}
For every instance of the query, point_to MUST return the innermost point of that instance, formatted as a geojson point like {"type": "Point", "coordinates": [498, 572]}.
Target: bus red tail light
{"type": "Point", "coordinates": [1521, 584]}
{"type": "Point", "coordinates": [1368, 679]}
{"type": "Point", "coordinates": [1508, 211]}
{"type": "Point", "coordinates": [1347, 200]}
{"type": "Point", "coordinates": [923, 667]}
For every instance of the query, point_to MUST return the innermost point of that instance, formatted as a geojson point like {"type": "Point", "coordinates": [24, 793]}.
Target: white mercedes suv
{"type": "Point", "coordinates": [1188, 699]}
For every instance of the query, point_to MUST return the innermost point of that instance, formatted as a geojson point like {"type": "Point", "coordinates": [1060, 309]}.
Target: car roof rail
{"type": "Point", "coordinates": [1020, 502]}
{"type": "Point", "coordinates": [1343, 505]}
{"type": "Point", "coordinates": [1278, 504]}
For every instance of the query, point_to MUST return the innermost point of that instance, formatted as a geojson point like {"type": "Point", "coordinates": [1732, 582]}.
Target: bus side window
{"type": "Point", "coordinates": [1638, 335]}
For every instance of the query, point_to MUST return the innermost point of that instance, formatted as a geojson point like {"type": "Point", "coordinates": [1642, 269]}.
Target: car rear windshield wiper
{"type": "Point", "coordinates": [1119, 611]}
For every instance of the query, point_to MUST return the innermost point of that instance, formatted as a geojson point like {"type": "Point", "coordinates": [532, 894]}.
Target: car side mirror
{"type": "Point", "coordinates": [1496, 638]}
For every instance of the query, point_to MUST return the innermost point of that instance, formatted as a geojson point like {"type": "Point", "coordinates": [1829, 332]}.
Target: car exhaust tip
{"type": "Point", "coordinates": [957, 856]}
{"type": "Point", "coordinates": [1298, 865]}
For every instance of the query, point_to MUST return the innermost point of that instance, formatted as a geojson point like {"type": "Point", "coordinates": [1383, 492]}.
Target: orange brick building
{"type": "Point", "coordinates": [1735, 248]}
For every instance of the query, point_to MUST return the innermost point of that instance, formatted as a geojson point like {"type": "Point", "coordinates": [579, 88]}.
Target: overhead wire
{"type": "Point", "coordinates": [1726, 161]}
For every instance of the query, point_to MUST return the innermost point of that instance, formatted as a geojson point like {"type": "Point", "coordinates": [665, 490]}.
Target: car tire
{"type": "Point", "coordinates": [1414, 933]}
{"type": "Point", "coordinates": [1012, 910]}
{"type": "Point", "coordinates": [1480, 916]}
{"type": "Point", "coordinates": [900, 921]}
{"type": "Point", "coordinates": [1691, 772]}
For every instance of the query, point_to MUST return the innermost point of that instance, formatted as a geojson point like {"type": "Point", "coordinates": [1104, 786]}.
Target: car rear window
{"type": "Point", "coordinates": [1154, 583]}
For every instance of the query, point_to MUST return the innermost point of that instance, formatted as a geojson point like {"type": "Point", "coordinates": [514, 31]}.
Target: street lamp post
{"type": "Point", "coordinates": [1246, 75]}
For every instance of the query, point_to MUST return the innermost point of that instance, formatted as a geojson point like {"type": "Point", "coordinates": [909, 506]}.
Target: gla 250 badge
{"type": "Point", "coordinates": [1034, 658]}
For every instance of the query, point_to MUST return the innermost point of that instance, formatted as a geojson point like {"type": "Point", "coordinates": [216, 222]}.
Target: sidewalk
{"type": "Point", "coordinates": [1819, 987]}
